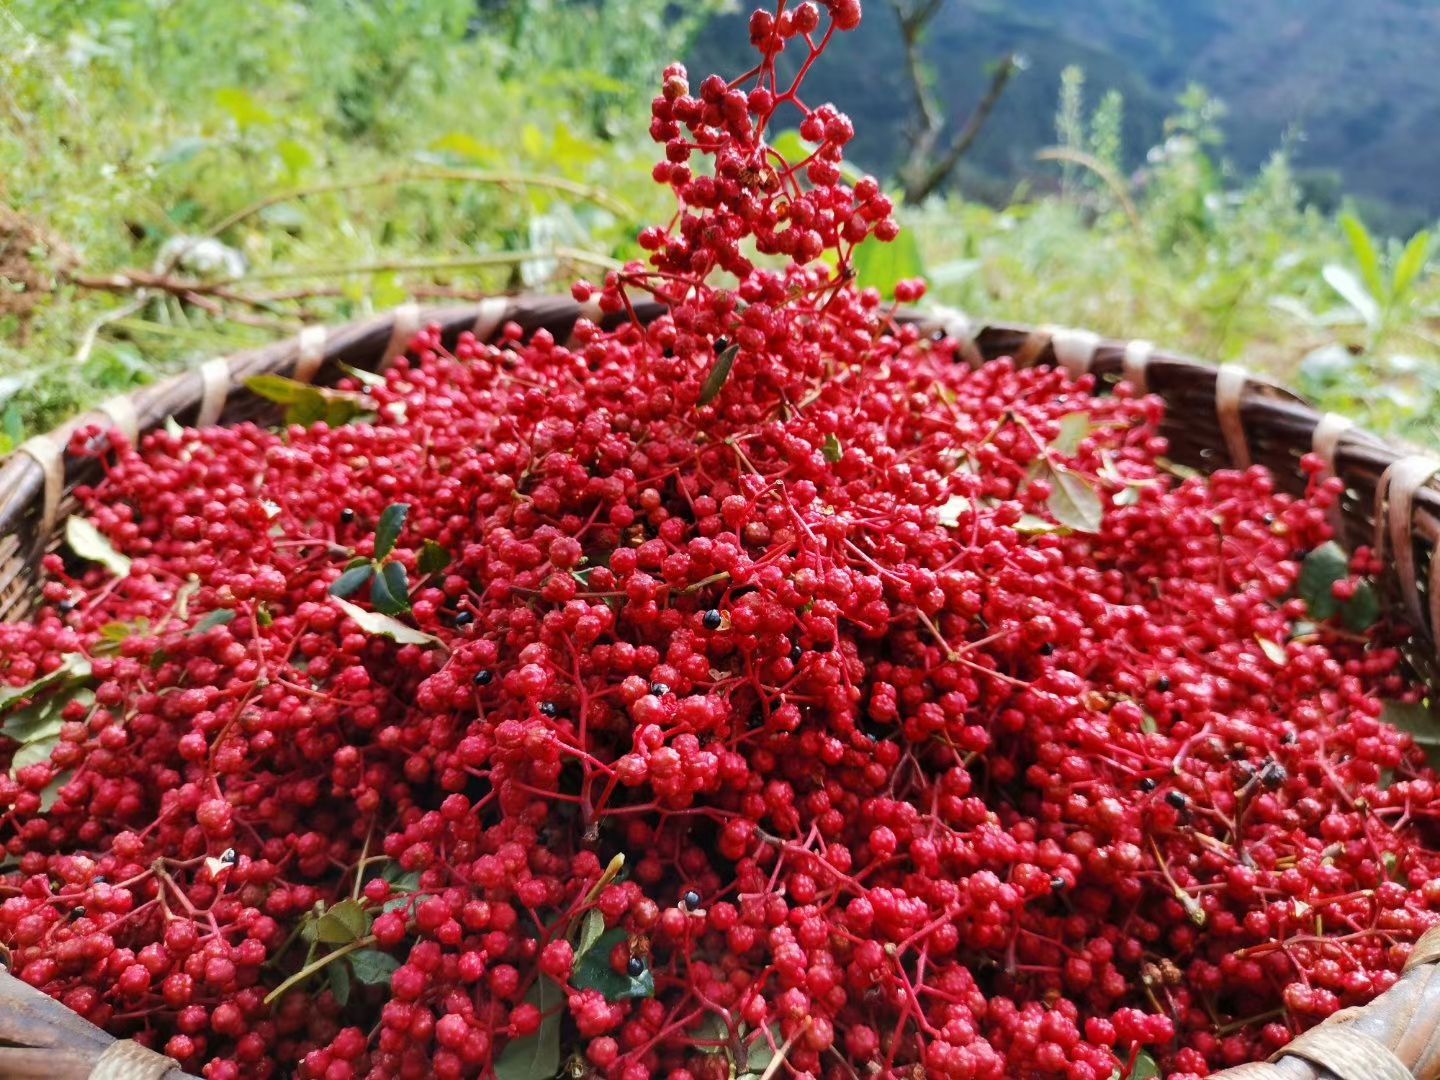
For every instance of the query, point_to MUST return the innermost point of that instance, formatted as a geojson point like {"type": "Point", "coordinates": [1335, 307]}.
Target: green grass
{"type": "Point", "coordinates": [432, 148]}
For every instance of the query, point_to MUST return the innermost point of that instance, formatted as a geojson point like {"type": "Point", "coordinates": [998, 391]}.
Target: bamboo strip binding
{"type": "Point", "coordinates": [1214, 419]}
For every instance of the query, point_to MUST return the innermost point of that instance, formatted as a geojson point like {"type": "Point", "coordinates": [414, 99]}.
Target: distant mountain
{"type": "Point", "coordinates": [1355, 81]}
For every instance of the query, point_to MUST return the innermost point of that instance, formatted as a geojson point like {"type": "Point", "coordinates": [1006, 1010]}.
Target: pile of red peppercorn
{"type": "Point", "coordinates": [758, 693]}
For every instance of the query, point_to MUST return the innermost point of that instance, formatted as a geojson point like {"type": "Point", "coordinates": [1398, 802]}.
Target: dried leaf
{"type": "Point", "coordinates": [373, 622]}
{"type": "Point", "coordinates": [1073, 429]}
{"type": "Point", "coordinates": [949, 511]}
{"type": "Point", "coordinates": [1273, 650]}
{"type": "Point", "coordinates": [89, 543]}
{"type": "Point", "coordinates": [1074, 503]}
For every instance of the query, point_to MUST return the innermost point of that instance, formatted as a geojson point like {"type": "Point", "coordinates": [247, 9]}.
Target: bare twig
{"type": "Point", "coordinates": [927, 166]}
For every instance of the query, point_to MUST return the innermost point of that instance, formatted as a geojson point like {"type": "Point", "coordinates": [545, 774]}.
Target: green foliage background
{"type": "Point", "coordinates": [125, 124]}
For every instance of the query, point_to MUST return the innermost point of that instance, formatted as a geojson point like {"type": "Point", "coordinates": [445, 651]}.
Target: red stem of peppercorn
{"type": "Point", "coordinates": [906, 775]}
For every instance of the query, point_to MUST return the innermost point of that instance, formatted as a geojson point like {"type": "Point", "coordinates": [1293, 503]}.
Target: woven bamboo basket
{"type": "Point", "coordinates": [1216, 418]}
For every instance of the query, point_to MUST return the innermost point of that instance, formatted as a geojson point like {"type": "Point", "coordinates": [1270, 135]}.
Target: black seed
{"type": "Point", "coordinates": [712, 619]}
{"type": "Point", "coordinates": [65, 607]}
{"type": "Point", "coordinates": [796, 653]}
{"type": "Point", "coordinates": [691, 899]}
{"type": "Point", "coordinates": [346, 516]}
{"type": "Point", "coordinates": [76, 913]}
{"type": "Point", "coordinates": [659, 689]}
{"type": "Point", "coordinates": [635, 967]}
{"type": "Point", "coordinates": [1163, 684]}
{"type": "Point", "coordinates": [1273, 776]}
{"type": "Point", "coordinates": [549, 708]}
{"type": "Point", "coordinates": [465, 618]}
{"type": "Point", "coordinates": [1288, 739]}
{"type": "Point", "coordinates": [1148, 783]}
{"type": "Point", "coordinates": [1176, 799]}
{"type": "Point", "coordinates": [1046, 649]}
{"type": "Point", "coordinates": [721, 344]}
{"type": "Point", "coordinates": [483, 677]}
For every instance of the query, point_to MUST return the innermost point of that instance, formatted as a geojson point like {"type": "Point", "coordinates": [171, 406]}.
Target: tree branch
{"type": "Point", "coordinates": [923, 183]}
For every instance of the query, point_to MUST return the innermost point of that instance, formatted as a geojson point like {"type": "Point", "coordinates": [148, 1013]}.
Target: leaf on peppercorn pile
{"type": "Point", "coordinates": [1362, 610]}
{"type": "Point", "coordinates": [74, 670]}
{"type": "Point", "coordinates": [89, 543]}
{"type": "Point", "coordinates": [341, 924]}
{"type": "Point", "coordinates": [882, 266]}
{"type": "Point", "coordinates": [1142, 1068]}
{"type": "Point", "coordinates": [832, 449]}
{"type": "Point", "coordinates": [1321, 569]}
{"type": "Point", "coordinates": [1273, 650]}
{"type": "Point", "coordinates": [387, 531]}
{"type": "Point", "coordinates": [1419, 721]}
{"type": "Point", "coordinates": [948, 513]}
{"type": "Point", "coordinates": [360, 375]}
{"type": "Point", "coordinates": [711, 1035]}
{"type": "Point", "coordinates": [218, 617]}
{"type": "Point", "coordinates": [390, 590]}
{"type": "Point", "coordinates": [373, 622]}
{"type": "Point", "coordinates": [305, 404]}
{"type": "Point", "coordinates": [591, 929]}
{"type": "Point", "coordinates": [1030, 525]}
{"type": "Point", "coordinates": [536, 1056]}
{"type": "Point", "coordinates": [115, 634]}
{"type": "Point", "coordinates": [762, 1049]}
{"type": "Point", "coordinates": [373, 967]}
{"type": "Point", "coordinates": [352, 580]}
{"type": "Point", "coordinates": [1073, 429]}
{"type": "Point", "coordinates": [1129, 495]}
{"type": "Point", "coordinates": [1074, 503]}
{"type": "Point", "coordinates": [432, 558]}
{"type": "Point", "coordinates": [33, 753]}
{"type": "Point", "coordinates": [42, 719]}
{"type": "Point", "coordinates": [593, 971]}
{"type": "Point", "coordinates": [338, 975]}
{"type": "Point", "coordinates": [173, 428]}
{"type": "Point", "coordinates": [51, 791]}
{"type": "Point", "coordinates": [724, 361]}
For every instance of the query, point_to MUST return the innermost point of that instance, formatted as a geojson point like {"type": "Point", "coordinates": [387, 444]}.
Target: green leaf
{"type": "Point", "coordinates": [718, 374]}
{"type": "Point", "coordinates": [432, 558]}
{"type": "Point", "coordinates": [761, 1053]}
{"type": "Point", "coordinates": [51, 791]}
{"type": "Point", "coordinates": [1411, 264]}
{"type": "Point", "coordinates": [882, 266]}
{"type": "Point", "coordinates": [73, 669]}
{"type": "Point", "coordinates": [464, 145]}
{"type": "Point", "coordinates": [591, 929]}
{"type": "Point", "coordinates": [338, 976]}
{"type": "Point", "coordinates": [537, 1056]}
{"type": "Point", "coordinates": [1073, 429]}
{"type": "Point", "coordinates": [1321, 569]}
{"type": "Point", "coordinates": [32, 753]}
{"type": "Point", "coordinates": [832, 449]}
{"type": "Point", "coordinates": [1144, 1069]}
{"type": "Point", "coordinates": [711, 1035]}
{"type": "Point", "coordinates": [89, 543]}
{"type": "Point", "coordinates": [593, 971]}
{"type": "Point", "coordinates": [43, 720]}
{"type": "Point", "coordinates": [347, 921]}
{"type": "Point", "coordinates": [387, 532]}
{"type": "Point", "coordinates": [1362, 610]}
{"type": "Point", "coordinates": [373, 622]}
{"type": "Point", "coordinates": [218, 617]}
{"type": "Point", "coordinates": [1366, 257]}
{"type": "Point", "coordinates": [1419, 721]}
{"type": "Point", "coordinates": [279, 389]}
{"type": "Point", "coordinates": [1074, 503]}
{"type": "Point", "coordinates": [1352, 292]}
{"type": "Point", "coordinates": [390, 591]}
{"type": "Point", "coordinates": [373, 967]}
{"type": "Point", "coordinates": [352, 580]}
{"type": "Point", "coordinates": [296, 156]}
